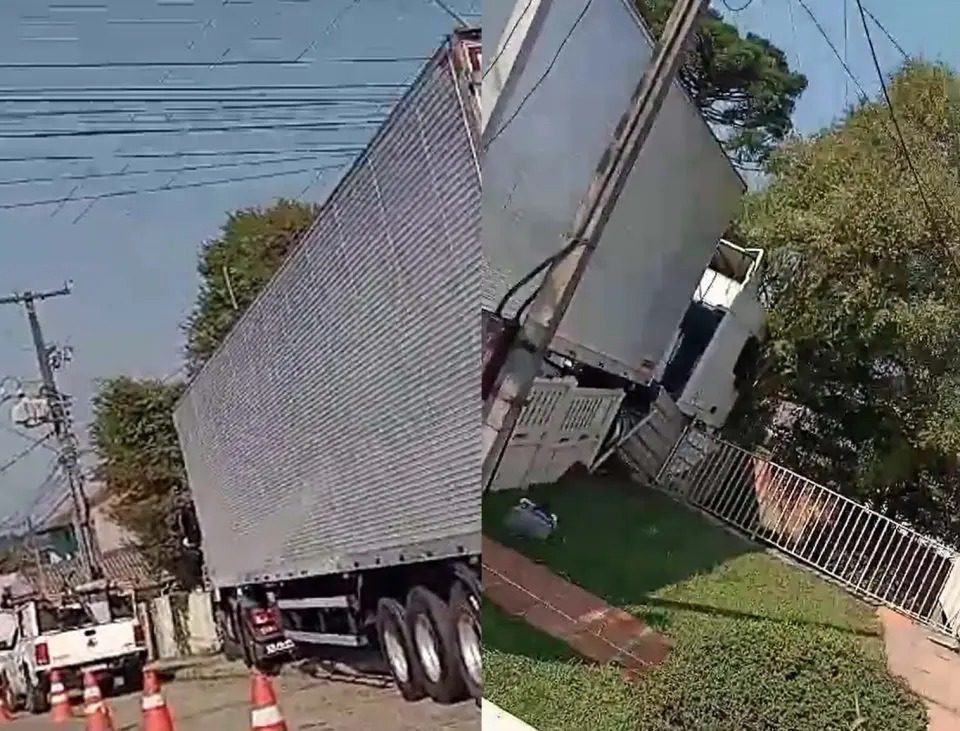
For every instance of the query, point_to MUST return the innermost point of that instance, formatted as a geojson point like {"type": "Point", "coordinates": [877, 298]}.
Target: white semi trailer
{"type": "Point", "coordinates": [331, 442]}
{"type": "Point", "coordinates": [561, 76]}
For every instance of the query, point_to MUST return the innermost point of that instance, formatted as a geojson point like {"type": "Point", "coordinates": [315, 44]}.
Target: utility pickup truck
{"type": "Point", "coordinates": [77, 634]}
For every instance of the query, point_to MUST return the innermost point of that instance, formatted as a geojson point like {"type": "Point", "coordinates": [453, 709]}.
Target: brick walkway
{"type": "Point", "coordinates": [595, 629]}
{"type": "Point", "coordinates": [931, 671]}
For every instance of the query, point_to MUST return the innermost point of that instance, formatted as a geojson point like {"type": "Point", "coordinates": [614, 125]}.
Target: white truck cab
{"type": "Point", "coordinates": [72, 635]}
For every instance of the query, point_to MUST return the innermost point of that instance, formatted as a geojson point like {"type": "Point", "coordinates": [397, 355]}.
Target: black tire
{"type": "Point", "coordinates": [11, 699]}
{"type": "Point", "coordinates": [133, 678]}
{"type": "Point", "coordinates": [394, 638]}
{"type": "Point", "coordinates": [431, 628]}
{"type": "Point", "coordinates": [471, 580]}
{"type": "Point", "coordinates": [38, 700]}
{"type": "Point", "coordinates": [232, 650]}
{"type": "Point", "coordinates": [246, 642]}
{"type": "Point", "coordinates": [465, 617]}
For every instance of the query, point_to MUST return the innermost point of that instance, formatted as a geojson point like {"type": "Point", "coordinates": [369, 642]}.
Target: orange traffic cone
{"type": "Point", "coordinates": [94, 708]}
{"type": "Point", "coordinates": [156, 715]}
{"type": "Point", "coordinates": [60, 711]}
{"type": "Point", "coordinates": [266, 715]}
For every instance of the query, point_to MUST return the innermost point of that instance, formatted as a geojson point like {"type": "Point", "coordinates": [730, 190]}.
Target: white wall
{"type": "Point", "coordinates": [110, 535]}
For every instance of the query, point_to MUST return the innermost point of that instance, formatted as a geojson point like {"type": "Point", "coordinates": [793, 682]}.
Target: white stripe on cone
{"type": "Point", "coordinates": [269, 716]}
{"type": "Point", "coordinates": [57, 688]}
{"type": "Point", "coordinates": [152, 702]}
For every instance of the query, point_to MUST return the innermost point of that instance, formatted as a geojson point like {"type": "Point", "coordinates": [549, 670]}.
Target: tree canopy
{"type": "Point", "coordinates": [139, 461]}
{"type": "Point", "coordinates": [133, 434]}
{"type": "Point", "coordinates": [742, 84]}
{"type": "Point", "coordinates": [251, 246]}
{"type": "Point", "coordinates": [864, 311]}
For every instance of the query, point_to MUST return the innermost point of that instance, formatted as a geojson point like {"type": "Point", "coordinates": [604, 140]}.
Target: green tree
{"type": "Point", "coordinates": [139, 461]}
{"type": "Point", "coordinates": [864, 310]}
{"type": "Point", "coordinates": [251, 246]}
{"type": "Point", "coordinates": [742, 84]}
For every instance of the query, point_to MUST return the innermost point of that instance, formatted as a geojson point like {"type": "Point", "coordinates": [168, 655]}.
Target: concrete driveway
{"type": "Point", "coordinates": [214, 696]}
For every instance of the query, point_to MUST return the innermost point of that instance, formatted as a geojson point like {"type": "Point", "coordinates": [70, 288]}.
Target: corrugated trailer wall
{"type": "Point", "coordinates": [545, 138]}
{"type": "Point", "coordinates": [336, 426]}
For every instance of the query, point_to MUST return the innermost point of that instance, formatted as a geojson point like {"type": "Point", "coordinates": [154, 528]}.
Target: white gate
{"type": "Point", "coordinates": [868, 553]}
{"type": "Point", "coordinates": [560, 426]}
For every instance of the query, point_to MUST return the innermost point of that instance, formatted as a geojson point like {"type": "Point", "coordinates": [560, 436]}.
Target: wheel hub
{"type": "Point", "coordinates": [468, 633]}
{"type": "Point", "coordinates": [427, 648]}
{"type": "Point", "coordinates": [396, 655]}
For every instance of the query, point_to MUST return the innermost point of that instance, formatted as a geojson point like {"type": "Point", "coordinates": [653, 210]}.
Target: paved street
{"type": "Point", "coordinates": [219, 699]}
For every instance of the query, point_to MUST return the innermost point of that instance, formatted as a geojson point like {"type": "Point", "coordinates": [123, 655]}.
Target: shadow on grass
{"type": "Point", "coordinates": [627, 544]}
{"type": "Point", "coordinates": [615, 538]}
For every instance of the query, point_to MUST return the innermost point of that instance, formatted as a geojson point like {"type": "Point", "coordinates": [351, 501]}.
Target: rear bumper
{"type": "Point", "coordinates": [72, 675]}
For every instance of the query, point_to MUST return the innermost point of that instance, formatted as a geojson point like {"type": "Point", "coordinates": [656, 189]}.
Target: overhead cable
{"type": "Point", "coordinates": [159, 189]}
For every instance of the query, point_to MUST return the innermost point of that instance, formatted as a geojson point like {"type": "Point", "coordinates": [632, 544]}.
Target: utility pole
{"type": "Point", "coordinates": [34, 548]}
{"type": "Point", "coordinates": [63, 429]}
{"type": "Point", "coordinates": [556, 291]}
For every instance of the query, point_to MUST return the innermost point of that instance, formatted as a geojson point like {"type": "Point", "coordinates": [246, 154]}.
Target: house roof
{"type": "Point", "coordinates": [126, 567]}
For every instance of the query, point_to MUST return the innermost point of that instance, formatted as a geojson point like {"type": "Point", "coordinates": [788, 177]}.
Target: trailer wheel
{"type": "Point", "coordinates": [465, 616]}
{"type": "Point", "coordinates": [231, 648]}
{"type": "Point", "coordinates": [397, 649]}
{"type": "Point", "coordinates": [435, 644]}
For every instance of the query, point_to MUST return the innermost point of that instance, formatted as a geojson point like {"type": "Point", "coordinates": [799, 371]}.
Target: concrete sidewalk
{"type": "Point", "coordinates": [931, 671]}
{"type": "Point", "coordinates": [595, 629]}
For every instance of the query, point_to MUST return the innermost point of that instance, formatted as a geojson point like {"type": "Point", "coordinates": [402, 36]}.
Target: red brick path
{"type": "Point", "coordinates": [595, 629]}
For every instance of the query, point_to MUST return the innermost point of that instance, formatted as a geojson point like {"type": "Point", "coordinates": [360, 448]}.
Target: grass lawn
{"type": "Point", "coordinates": [758, 644]}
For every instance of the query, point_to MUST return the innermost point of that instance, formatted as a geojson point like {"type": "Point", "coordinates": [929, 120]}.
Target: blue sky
{"type": "Point", "coordinates": [923, 28]}
{"type": "Point", "coordinates": [133, 258]}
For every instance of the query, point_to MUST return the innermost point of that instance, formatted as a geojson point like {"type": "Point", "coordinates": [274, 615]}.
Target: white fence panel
{"type": "Point", "coordinates": [560, 426]}
{"type": "Point", "coordinates": [868, 553]}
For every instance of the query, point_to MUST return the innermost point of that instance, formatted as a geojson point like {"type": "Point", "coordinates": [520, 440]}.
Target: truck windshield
{"type": "Point", "coordinates": [58, 619]}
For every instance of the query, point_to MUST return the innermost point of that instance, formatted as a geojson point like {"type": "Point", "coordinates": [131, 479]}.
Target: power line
{"type": "Point", "coordinates": [121, 131]}
{"type": "Point", "coordinates": [254, 107]}
{"type": "Point", "coordinates": [887, 33]}
{"type": "Point", "coordinates": [826, 37]}
{"type": "Point", "coordinates": [351, 150]}
{"type": "Point", "coordinates": [22, 455]}
{"type": "Point", "coordinates": [506, 41]}
{"type": "Point", "coordinates": [543, 76]}
{"type": "Point", "coordinates": [894, 120]}
{"type": "Point", "coordinates": [22, 435]}
{"type": "Point", "coordinates": [151, 171]}
{"type": "Point", "coordinates": [740, 9]}
{"type": "Point", "coordinates": [157, 97]}
{"type": "Point", "coordinates": [179, 120]}
{"type": "Point", "coordinates": [451, 12]}
{"type": "Point", "coordinates": [158, 189]}
{"type": "Point", "coordinates": [44, 90]}
{"type": "Point", "coordinates": [323, 150]}
{"type": "Point", "coordinates": [41, 66]}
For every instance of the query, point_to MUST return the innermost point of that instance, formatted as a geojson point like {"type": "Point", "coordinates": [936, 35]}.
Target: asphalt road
{"type": "Point", "coordinates": [216, 696]}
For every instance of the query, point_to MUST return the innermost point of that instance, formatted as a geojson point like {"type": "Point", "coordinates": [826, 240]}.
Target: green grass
{"type": "Point", "coordinates": [758, 645]}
